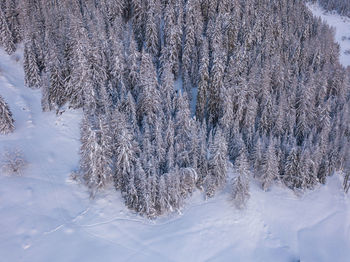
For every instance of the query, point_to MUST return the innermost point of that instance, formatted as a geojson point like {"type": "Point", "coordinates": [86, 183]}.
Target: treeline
{"type": "Point", "coordinates": [174, 91]}
{"type": "Point", "coordinates": [342, 7]}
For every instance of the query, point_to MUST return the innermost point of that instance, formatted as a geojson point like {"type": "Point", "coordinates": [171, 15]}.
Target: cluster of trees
{"type": "Point", "coordinates": [6, 120]}
{"type": "Point", "coordinates": [340, 6]}
{"type": "Point", "coordinates": [175, 90]}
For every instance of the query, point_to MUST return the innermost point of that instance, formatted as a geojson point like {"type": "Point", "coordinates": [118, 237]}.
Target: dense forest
{"type": "Point", "coordinates": [176, 93]}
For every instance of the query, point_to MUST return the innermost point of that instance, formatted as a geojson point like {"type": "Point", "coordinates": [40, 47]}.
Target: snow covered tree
{"type": "Point", "coordinates": [125, 154]}
{"type": "Point", "coordinates": [162, 203]}
{"type": "Point", "coordinates": [240, 185]}
{"type": "Point", "coordinates": [133, 66]}
{"type": "Point", "coordinates": [96, 158]}
{"type": "Point", "coordinates": [6, 37]}
{"type": "Point", "coordinates": [149, 99]}
{"type": "Point", "coordinates": [202, 162]}
{"type": "Point", "coordinates": [218, 164]}
{"type": "Point", "coordinates": [56, 89]}
{"type": "Point", "coordinates": [293, 176]}
{"type": "Point", "coordinates": [151, 27]}
{"type": "Point", "coordinates": [80, 80]}
{"type": "Point", "coordinates": [270, 171]}
{"type": "Point", "coordinates": [203, 82]}
{"type": "Point", "coordinates": [215, 88]}
{"type": "Point", "coordinates": [13, 15]}
{"type": "Point", "coordinates": [188, 179]}
{"type": "Point", "coordinates": [31, 68]}
{"type": "Point", "coordinates": [184, 129]}
{"type": "Point", "coordinates": [6, 120]}
{"type": "Point", "coordinates": [189, 56]}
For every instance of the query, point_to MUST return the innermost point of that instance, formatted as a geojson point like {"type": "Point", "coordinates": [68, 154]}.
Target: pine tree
{"type": "Point", "coordinates": [162, 204]}
{"type": "Point", "coordinates": [133, 66]}
{"type": "Point", "coordinates": [293, 178]}
{"type": "Point", "coordinates": [240, 185]}
{"type": "Point", "coordinates": [218, 166]}
{"type": "Point", "coordinates": [203, 82]}
{"type": "Point", "coordinates": [149, 99]}
{"type": "Point", "coordinates": [6, 120]}
{"type": "Point", "coordinates": [257, 157]}
{"type": "Point", "coordinates": [6, 38]}
{"type": "Point", "coordinates": [184, 128]}
{"type": "Point", "coordinates": [31, 68]}
{"type": "Point", "coordinates": [125, 152]}
{"type": "Point", "coordinates": [95, 163]}
{"type": "Point", "coordinates": [13, 17]}
{"type": "Point", "coordinates": [189, 54]}
{"type": "Point", "coordinates": [216, 88]}
{"type": "Point", "coordinates": [202, 162]}
{"type": "Point", "coordinates": [270, 171]}
{"type": "Point", "coordinates": [151, 27]}
{"type": "Point", "coordinates": [56, 90]}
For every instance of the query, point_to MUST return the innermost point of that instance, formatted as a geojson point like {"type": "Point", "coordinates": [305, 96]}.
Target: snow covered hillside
{"type": "Point", "coordinates": [45, 216]}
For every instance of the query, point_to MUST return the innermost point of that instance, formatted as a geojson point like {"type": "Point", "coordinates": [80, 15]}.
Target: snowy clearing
{"type": "Point", "coordinates": [47, 217]}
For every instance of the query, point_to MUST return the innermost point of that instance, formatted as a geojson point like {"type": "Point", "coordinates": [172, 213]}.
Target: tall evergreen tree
{"type": "Point", "coordinates": [218, 164]}
{"type": "Point", "coordinates": [240, 185]}
{"type": "Point", "coordinates": [6, 120]}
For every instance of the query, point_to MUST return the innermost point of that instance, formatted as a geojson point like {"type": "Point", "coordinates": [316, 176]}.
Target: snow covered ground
{"type": "Point", "coordinates": [44, 216]}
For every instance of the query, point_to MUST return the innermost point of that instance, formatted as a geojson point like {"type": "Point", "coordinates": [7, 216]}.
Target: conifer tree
{"type": "Point", "coordinates": [56, 88]}
{"type": "Point", "coordinates": [151, 36]}
{"type": "Point", "coordinates": [270, 171]}
{"type": "Point", "coordinates": [184, 129]}
{"type": "Point", "coordinates": [240, 185]}
{"type": "Point", "coordinates": [216, 86]}
{"type": "Point", "coordinates": [31, 68]}
{"type": "Point", "coordinates": [6, 37]}
{"type": "Point", "coordinates": [149, 95]}
{"type": "Point", "coordinates": [293, 178]}
{"type": "Point", "coordinates": [218, 164]}
{"type": "Point", "coordinates": [6, 120]}
{"type": "Point", "coordinates": [125, 150]}
{"type": "Point", "coordinates": [203, 82]}
{"type": "Point", "coordinates": [95, 164]}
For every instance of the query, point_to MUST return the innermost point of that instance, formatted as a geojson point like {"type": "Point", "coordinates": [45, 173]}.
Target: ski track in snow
{"type": "Point", "coordinates": [45, 216]}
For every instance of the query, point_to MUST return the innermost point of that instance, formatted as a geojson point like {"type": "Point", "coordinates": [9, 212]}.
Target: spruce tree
{"type": "Point", "coordinates": [6, 37]}
{"type": "Point", "coordinates": [31, 68]}
{"type": "Point", "coordinates": [6, 120]}
{"type": "Point", "coordinates": [218, 164]}
{"type": "Point", "coordinates": [240, 185]}
{"type": "Point", "coordinates": [270, 171]}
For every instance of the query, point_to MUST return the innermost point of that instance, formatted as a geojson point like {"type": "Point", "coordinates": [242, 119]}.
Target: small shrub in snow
{"type": "Point", "coordinates": [13, 162]}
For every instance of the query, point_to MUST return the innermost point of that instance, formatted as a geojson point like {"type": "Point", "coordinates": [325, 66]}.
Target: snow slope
{"type": "Point", "coordinates": [44, 216]}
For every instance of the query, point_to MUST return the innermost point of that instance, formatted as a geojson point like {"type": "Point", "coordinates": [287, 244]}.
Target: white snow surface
{"type": "Point", "coordinates": [45, 216]}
